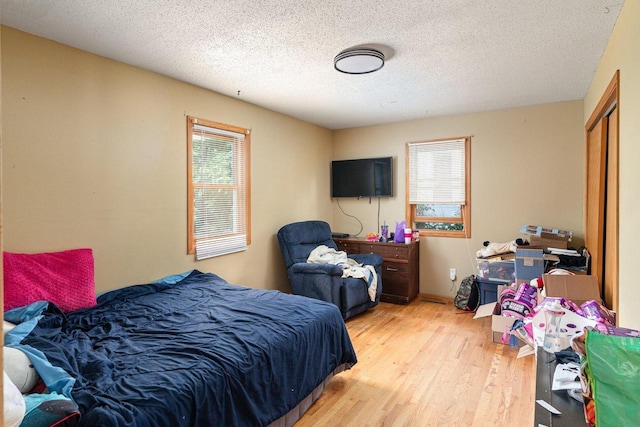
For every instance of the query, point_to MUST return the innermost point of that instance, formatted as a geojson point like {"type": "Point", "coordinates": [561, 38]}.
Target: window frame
{"type": "Point", "coordinates": [465, 210]}
{"type": "Point", "coordinates": [245, 193]}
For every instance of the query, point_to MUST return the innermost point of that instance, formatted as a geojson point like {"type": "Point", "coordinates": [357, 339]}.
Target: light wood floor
{"type": "Point", "coordinates": [427, 364]}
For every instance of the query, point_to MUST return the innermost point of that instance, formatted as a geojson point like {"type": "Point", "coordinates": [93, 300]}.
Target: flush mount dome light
{"type": "Point", "coordinates": [358, 61]}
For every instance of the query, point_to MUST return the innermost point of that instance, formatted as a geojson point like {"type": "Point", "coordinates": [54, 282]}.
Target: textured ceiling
{"type": "Point", "coordinates": [444, 57]}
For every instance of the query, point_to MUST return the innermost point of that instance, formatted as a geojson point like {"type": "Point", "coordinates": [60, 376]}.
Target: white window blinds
{"type": "Point", "coordinates": [219, 177]}
{"type": "Point", "coordinates": [437, 172]}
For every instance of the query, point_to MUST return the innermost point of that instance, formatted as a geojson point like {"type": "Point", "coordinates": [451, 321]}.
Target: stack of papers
{"type": "Point", "coordinates": [566, 377]}
{"type": "Point", "coordinates": [569, 252]}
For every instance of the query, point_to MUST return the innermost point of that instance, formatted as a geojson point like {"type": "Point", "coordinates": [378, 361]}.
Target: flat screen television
{"type": "Point", "coordinates": [362, 177]}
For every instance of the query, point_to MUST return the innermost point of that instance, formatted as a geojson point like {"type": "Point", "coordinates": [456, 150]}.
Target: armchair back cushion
{"type": "Point", "coordinates": [297, 240]}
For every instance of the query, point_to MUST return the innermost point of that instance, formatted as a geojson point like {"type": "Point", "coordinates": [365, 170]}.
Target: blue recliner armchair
{"type": "Point", "coordinates": [325, 281]}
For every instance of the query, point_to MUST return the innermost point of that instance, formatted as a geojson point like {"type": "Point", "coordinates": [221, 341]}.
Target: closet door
{"type": "Point", "coordinates": [595, 195]}
{"type": "Point", "coordinates": [601, 193]}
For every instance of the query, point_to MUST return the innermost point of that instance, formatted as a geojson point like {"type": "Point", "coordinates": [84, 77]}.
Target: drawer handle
{"type": "Point", "coordinates": [391, 269]}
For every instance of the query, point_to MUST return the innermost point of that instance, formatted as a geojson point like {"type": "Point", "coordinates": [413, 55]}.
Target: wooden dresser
{"type": "Point", "coordinates": [400, 266]}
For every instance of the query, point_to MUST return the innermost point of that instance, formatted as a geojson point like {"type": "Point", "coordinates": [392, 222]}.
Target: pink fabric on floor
{"type": "Point", "coordinates": [65, 278]}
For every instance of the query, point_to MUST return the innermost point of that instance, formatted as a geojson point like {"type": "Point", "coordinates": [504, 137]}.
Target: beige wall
{"type": "Point", "coordinates": [94, 155]}
{"type": "Point", "coordinates": [526, 168]}
{"type": "Point", "coordinates": [623, 54]}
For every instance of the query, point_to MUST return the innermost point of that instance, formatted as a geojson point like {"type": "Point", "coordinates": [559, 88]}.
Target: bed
{"type": "Point", "coordinates": [188, 350]}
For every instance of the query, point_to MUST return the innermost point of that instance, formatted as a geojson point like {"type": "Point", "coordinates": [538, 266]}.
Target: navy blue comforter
{"type": "Point", "coordinates": [200, 352]}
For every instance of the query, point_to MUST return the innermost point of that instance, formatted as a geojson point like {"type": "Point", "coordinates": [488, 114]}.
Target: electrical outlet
{"type": "Point", "coordinates": [452, 273]}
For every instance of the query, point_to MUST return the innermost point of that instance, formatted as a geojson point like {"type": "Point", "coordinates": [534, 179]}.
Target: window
{"type": "Point", "coordinates": [438, 187]}
{"type": "Point", "coordinates": [218, 203]}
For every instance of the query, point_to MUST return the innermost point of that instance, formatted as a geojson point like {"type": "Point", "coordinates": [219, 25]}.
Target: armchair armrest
{"type": "Point", "coordinates": [319, 281]}
{"type": "Point", "coordinates": [310, 268]}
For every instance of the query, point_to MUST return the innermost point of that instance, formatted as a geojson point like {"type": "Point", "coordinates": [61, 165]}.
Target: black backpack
{"type": "Point", "coordinates": [468, 295]}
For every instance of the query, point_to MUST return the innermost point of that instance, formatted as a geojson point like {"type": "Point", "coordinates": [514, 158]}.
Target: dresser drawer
{"type": "Point", "coordinates": [395, 278]}
{"type": "Point", "coordinates": [398, 252]}
{"type": "Point", "coordinates": [368, 248]}
{"type": "Point", "coordinates": [348, 247]}
{"type": "Point", "coordinates": [395, 271]}
{"type": "Point", "coordinates": [395, 288]}
{"type": "Point", "coordinates": [386, 251]}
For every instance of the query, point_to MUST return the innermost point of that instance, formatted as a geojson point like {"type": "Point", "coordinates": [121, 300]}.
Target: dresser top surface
{"type": "Point", "coordinates": [364, 240]}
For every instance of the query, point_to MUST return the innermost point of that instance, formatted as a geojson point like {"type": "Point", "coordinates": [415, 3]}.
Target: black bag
{"type": "Point", "coordinates": [468, 295]}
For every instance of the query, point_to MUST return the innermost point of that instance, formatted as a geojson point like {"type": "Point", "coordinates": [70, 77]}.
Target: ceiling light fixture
{"type": "Point", "coordinates": [358, 61]}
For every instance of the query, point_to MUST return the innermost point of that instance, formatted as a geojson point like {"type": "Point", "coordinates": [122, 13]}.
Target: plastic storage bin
{"type": "Point", "coordinates": [488, 291]}
{"type": "Point", "coordinates": [498, 271]}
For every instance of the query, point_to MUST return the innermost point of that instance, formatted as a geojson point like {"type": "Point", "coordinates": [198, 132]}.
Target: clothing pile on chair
{"type": "Point", "coordinates": [350, 268]}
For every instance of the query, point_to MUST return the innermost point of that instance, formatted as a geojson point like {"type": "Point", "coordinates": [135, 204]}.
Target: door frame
{"type": "Point", "coordinates": [610, 99]}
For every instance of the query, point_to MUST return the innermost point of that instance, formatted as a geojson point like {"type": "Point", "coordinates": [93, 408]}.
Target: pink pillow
{"type": "Point", "coordinates": [63, 278]}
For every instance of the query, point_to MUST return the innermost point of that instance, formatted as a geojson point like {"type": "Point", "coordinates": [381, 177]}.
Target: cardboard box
{"type": "Point", "coordinates": [546, 237]}
{"type": "Point", "coordinates": [529, 264]}
{"type": "Point", "coordinates": [546, 232]}
{"type": "Point", "coordinates": [499, 323]}
{"type": "Point", "coordinates": [579, 288]}
{"type": "Point", "coordinates": [548, 242]}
